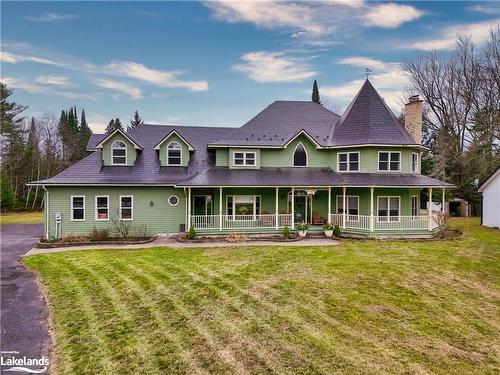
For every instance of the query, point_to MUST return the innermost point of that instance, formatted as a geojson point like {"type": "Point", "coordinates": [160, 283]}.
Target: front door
{"type": "Point", "coordinates": [202, 205]}
{"type": "Point", "coordinates": [300, 207]}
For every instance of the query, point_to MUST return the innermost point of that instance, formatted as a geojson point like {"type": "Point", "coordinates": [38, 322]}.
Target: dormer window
{"type": "Point", "coordinates": [174, 153]}
{"type": "Point", "coordinates": [300, 156]}
{"type": "Point", "coordinates": [119, 153]}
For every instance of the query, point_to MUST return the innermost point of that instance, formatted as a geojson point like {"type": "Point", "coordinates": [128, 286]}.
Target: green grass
{"type": "Point", "coordinates": [362, 307]}
{"type": "Point", "coordinates": [21, 217]}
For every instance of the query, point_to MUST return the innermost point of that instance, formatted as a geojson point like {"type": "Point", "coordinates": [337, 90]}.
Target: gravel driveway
{"type": "Point", "coordinates": [24, 314]}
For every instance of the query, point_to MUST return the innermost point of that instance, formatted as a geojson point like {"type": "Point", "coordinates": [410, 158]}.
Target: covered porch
{"type": "Point", "coordinates": [370, 211]}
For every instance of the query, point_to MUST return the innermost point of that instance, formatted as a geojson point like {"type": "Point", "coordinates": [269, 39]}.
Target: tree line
{"type": "Point", "coordinates": [39, 148]}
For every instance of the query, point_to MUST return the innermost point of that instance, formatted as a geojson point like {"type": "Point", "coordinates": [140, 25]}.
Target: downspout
{"type": "Point", "coordinates": [46, 213]}
{"type": "Point", "coordinates": [187, 213]}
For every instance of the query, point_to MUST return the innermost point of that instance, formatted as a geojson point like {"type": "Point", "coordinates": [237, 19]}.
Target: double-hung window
{"type": "Point", "coordinates": [78, 208]}
{"type": "Point", "coordinates": [240, 207]}
{"type": "Point", "coordinates": [414, 162]}
{"type": "Point", "coordinates": [119, 153]}
{"type": "Point", "coordinates": [389, 161]}
{"type": "Point", "coordinates": [414, 206]}
{"type": "Point", "coordinates": [388, 208]}
{"type": "Point", "coordinates": [352, 206]}
{"type": "Point", "coordinates": [126, 207]}
{"type": "Point", "coordinates": [348, 161]}
{"type": "Point", "coordinates": [174, 154]}
{"type": "Point", "coordinates": [102, 207]}
{"type": "Point", "coordinates": [244, 158]}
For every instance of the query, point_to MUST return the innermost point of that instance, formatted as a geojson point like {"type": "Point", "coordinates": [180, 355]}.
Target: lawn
{"type": "Point", "coordinates": [21, 217]}
{"type": "Point", "coordinates": [362, 307]}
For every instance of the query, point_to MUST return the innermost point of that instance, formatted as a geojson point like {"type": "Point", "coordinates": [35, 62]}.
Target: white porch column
{"type": "Point", "coordinates": [220, 207]}
{"type": "Point", "coordinates": [442, 202]}
{"type": "Point", "coordinates": [371, 208]}
{"type": "Point", "coordinates": [343, 207]}
{"type": "Point", "coordinates": [329, 204]}
{"type": "Point", "coordinates": [189, 209]}
{"type": "Point", "coordinates": [276, 211]}
{"type": "Point", "coordinates": [293, 207]}
{"type": "Point", "coordinates": [430, 209]}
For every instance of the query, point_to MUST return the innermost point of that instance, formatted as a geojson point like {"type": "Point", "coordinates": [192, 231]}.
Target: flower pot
{"type": "Point", "coordinates": [302, 233]}
{"type": "Point", "coordinates": [329, 233]}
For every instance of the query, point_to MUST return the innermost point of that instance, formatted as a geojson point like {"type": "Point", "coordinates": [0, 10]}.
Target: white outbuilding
{"type": "Point", "coordinates": [490, 190]}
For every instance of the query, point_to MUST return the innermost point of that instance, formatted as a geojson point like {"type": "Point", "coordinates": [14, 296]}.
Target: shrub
{"type": "Point", "coordinates": [286, 232]}
{"type": "Point", "coordinates": [336, 231]}
{"type": "Point", "coordinates": [191, 234]}
{"type": "Point", "coordinates": [327, 226]}
{"type": "Point", "coordinates": [237, 237]}
{"type": "Point", "coordinates": [140, 231]}
{"type": "Point", "coordinates": [302, 226]}
{"type": "Point", "coordinates": [73, 238]}
{"type": "Point", "coordinates": [99, 234]}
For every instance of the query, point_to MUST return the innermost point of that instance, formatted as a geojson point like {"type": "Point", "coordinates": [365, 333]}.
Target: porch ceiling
{"type": "Point", "coordinates": [306, 177]}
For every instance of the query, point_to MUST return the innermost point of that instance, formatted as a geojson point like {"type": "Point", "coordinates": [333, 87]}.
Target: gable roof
{"type": "Point", "coordinates": [158, 145]}
{"type": "Point", "coordinates": [281, 121]}
{"type": "Point", "coordinates": [136, 144]}
{"type": "Point", "coordinates": [368, 120]}
{"type": "Point", "coordinates": [491, 178]}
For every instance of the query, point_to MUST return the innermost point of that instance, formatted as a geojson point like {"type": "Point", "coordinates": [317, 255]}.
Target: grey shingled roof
{"type": "Point", "coordinates": [218, 176]}
{"type": "Point", "coordinates": [146, 169]}
{"type": "Point", "coordinates": [368, 120]}
{"type": "Point", "coordinates": [281, 121]}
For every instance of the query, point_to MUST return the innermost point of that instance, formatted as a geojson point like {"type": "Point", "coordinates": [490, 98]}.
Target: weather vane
{"type": "Point", "coordinates": [367, 72]}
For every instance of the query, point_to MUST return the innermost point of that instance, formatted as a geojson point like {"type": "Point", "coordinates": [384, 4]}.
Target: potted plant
{"type": "Point", "coordinates": [302, 228]}
{"type": "Point", "coordinates": [328, 228]}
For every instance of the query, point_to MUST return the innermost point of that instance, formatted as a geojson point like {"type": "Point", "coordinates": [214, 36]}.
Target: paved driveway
{"type": "Point", "coordinates": [24, 314]}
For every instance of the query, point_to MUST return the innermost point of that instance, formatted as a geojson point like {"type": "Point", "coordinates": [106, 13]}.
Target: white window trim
{"type": "Point", "coordinates": [414, 217]}
{"type": "Point", "coordinates": [206, 204]}
{"type": "Point", "coordinates": [293, 156]}
{"type": "Point", "coordinates": [95, 201]}
{"type": "Point", "coordinates": [180, 149]}
{"type": "Point", "coordinates": [348, 165]}
{"type": "Point", "coordinates": [71, 204]}
{"type": "Point", "coordinates": [245, 153]}
{"type": "Point", "coordinates": [417, 165]}
{"type": "Point", "coordinates": [389, 209]}
{"type": "Point", "coordinates": [254, 206]}
{"type": "Point", "coordinates": [389, 161]}
{"type": "Point", "coordinates": [178, 200]}
{"type": "Point", "coordinates": [347, 202]}
{"type": "Point", "coordinates": [131, 207]}
{"type": "Point", "coordinates": [119, 148]}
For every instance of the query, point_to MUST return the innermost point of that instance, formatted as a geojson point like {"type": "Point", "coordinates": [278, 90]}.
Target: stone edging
{"type": "Point", "coordinates": [52, 245]}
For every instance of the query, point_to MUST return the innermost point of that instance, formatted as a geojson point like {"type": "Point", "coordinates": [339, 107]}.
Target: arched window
{"type": "Point", "coordinates": [174, 153]}
{"type": "Point", "coordinates": [119, 153]}
{"type": "Point", "coordinates": [300, 156]}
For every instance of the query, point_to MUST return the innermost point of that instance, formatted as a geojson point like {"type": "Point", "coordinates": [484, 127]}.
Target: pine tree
{"type": "Point", "coordinates": [315, 93]}
{"type": "Point", "coordinates": [113, 125]}
{"type": "Point", "coordinates": [137, 120]}
{"type": "Point", "coordinates": [6, 194]}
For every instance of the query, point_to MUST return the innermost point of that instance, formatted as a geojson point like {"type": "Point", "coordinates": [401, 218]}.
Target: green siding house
{"type": "Point", "coordinates": [293, 162]}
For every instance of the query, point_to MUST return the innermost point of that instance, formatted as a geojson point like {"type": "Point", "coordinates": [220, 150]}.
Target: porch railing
{"type": "Point", "coordinates": [384, 223]}
{"type": "Point", "coordinates": [240, 222]}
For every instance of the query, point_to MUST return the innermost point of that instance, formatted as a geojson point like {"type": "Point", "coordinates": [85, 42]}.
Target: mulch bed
{"type": "Point", "coordinates": [111, 241]}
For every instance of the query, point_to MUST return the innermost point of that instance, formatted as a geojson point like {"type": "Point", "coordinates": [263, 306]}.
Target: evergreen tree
{"type": "Point", "coordinates": [137, 120]}
{"type": "Point", "coordinates": [84, 134]}
{"type": "Point", "coordinates": [315, 93]}
{"type": "Point", "coordinates": [113, 125]}
{"type": "Point", "coordinates": [6, 194]}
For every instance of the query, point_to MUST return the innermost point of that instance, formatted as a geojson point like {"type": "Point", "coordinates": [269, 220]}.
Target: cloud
{"type": "Point", "coordinates": [134, 92]}
{"type": "Point", "coordinates": [11, 58]}
{"type": "Point", "coordinates": [157, 77]}
{"type": "Point", "coordinates": [50, 17]}
{"type": "Point", "coordinates": [363, 62]}
{"type": "Point", "coordinates": [53, 80]}
{"type": "Point", "coordinates": [389, 80]}
{"type": "Point", "coordinates": [391, 15]}
{"type": "Point", "coordinates": [273, 67]}
{"type": "Point", "coordinates": [20, 83]}
{"type": "Point", "coordinates": [486, 9]}
{"type": "Point", "coordinates": [479, 33]}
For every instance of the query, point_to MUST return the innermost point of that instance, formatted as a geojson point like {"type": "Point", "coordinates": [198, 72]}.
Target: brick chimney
{"type": "Point", "coordinates": [413, 118]}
